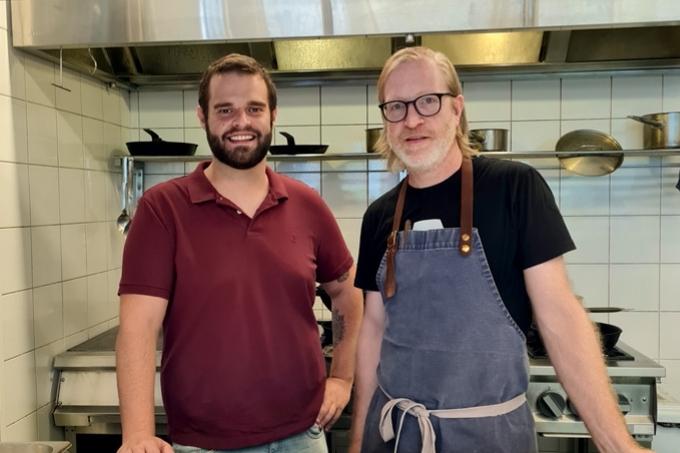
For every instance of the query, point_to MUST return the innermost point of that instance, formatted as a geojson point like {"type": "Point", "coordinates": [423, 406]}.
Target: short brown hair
{"type": "Point", "coordinates": [237, 63]}
{"type": "Point", "coordinates": [452, 83]}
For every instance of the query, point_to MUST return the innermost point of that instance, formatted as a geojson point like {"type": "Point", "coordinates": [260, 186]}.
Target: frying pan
{"type": "Point", "coordinates": [159, 147]}
{"type": "Point", "coordinates": [609, 335]}
{"type": "Point", "coordinates": [592, 164]}
{"type": "Point", "coordinates": [291, 148]}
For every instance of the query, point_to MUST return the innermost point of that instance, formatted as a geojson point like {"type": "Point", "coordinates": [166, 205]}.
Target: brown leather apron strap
{"type": "Point", "coordinates": [390, 282]}
{"type": "Point", "coordinates": [465, 242]}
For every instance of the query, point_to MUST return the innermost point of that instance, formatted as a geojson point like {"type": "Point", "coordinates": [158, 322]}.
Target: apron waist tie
{"type": "Point", "coordinates": [419, 411]}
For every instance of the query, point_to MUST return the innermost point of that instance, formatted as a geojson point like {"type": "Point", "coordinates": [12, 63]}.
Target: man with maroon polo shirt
{"type": "Point", "coordinates": [226, 260]}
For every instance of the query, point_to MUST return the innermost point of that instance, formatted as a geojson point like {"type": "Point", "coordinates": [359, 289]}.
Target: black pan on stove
{"type": "Point", "coordinates": [609, 335]}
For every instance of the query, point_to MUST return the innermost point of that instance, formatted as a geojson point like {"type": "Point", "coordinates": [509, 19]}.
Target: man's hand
{"type": "Point", "coordinates": [145, 444]}
{"type": "Point", "coordinates": [335, 398]}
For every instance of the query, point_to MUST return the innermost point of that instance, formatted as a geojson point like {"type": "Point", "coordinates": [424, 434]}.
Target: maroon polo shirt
{"type": "Point", "coordinates": [242, 363]}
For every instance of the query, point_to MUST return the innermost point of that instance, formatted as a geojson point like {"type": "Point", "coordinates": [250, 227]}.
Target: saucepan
{"type": "Point", "coordinates": [661, 130]}
{"type": "Point", "coordinates": [159, 147]}
{"type": "Point", "coordinates": [292, 148]}
{"type": "Point", "coordinates": [489, 139]}
{"type": "Point", "coordinates": [591, 164]}
{"type": "Point", "coordinates": [372, 136]}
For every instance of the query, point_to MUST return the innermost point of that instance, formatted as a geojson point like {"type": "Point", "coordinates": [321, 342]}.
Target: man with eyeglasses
{"type": "Point", "coordinates": [453, 261]}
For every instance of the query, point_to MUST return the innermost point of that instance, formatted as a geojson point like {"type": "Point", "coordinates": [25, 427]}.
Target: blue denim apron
{"type": "Point", "coordinates": [453, 368]}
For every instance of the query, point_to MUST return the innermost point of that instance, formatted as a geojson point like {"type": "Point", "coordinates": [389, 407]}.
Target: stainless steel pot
{"type": "Point", "coordinates": [489, 139]}
{"type": "Point", "coordinates": [372, 136]}
{"type": "Point", "coordinates": [661, 130]}
{"type": "Point", "coordinates": [589, 164]}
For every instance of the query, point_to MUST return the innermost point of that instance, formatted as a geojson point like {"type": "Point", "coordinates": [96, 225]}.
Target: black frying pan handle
{"type": "Point", "coordinates": [154, 136]}
{"type": "Point", "coordinates": [289, 138]}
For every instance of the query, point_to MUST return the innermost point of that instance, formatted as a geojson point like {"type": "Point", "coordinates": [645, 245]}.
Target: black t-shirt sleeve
{"type": "Point", "coordinates": [371, 250]}
{"type": "Point", "coordinates": [543, 234]}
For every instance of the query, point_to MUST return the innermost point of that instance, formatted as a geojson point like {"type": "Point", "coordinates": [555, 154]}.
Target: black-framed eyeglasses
{"type": "Point", "coordinates": [426, 105]}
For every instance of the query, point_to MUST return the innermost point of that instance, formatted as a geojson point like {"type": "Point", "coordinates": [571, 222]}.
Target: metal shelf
{"type": "Point", "coordinates": [374, 156]}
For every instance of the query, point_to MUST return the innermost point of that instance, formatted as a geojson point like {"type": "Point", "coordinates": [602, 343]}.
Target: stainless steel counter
{"type": "Point", "coordinates": [641, 366]}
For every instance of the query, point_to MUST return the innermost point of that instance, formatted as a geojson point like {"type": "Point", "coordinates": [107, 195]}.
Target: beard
{"type": "Point", "coordinates": [428, 160]}
{"type": "Point", "coordinates": [239, 157]}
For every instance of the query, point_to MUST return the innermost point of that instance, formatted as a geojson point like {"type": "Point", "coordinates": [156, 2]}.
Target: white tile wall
{"type": "Point", "coordinates": [42, 129]}
{"type": "Point", "coordinates": [635, 95]}
{"type": "Point", "coordinates": [670, 336]}
{"type": "Point", "coordinates": [42, 134]}
{"type": "Point", "coordinates": [345, 193]}
{"type": "Point", "coordinates": [14, 195]}
{"type": "Point", "coordinates": [46, 254]}
{"type": "Point", "coordinates": [590, 281]}
{"type": "Point", "coordinates": [19, 391]}
{"type": "Point", "coordinates": [670, 196]}
{"type": "Point", "coordinates": [636, 191]}
{"type": "Point", "coordinates": [487, 101]}
{"type": "Point", "coordinates": [299, 106]}
{"type": "Point", "coordinates": [69, 100]}
{"type": "Point", "coordinates": [670, 287]}
{"type": "Point", "coordinates": [635, 239]}
{"type": "Point", "coordinates": [39, 78]}
{"type": "Point", "coordinates": [22, 430]}
{"type": "Point", "coordinates": [671, 93]}
{"type": "Point", "coordinates": [74, 251]}
{"type": "Point", "coordinates": [17, 323]}
{"type": "Point", "coordinates": [584, 196]}
{"type": "Point", "coordinates": [16, 268]}
{"type": "Point", "coordinates": [161, 109]}
{"type": "Point", "coordinates": [586, 98]}
{"type": "Point", "coordinates": [534, 135]}
{"type": "Point", "coordinates": [48, 323]}
{"type": "Point", "coordinates": [14, 139]}
{"type": "Point", "coordinates": [374, 116]}
{"type": "Point", "coordinates": [344, 105]}
{"type": "Point", "coordinates": [72, 195]}
{"type": "Point", "coordinates": [70, 139]}
{"type": "Point", "coordinates": [635, 286]}
{"type": "Point", "coordinates": [97, 245]}
{"type": "Point", "coordinates": [75, 306]}
{"type": "Point", "coordinates": [591, 236]}
{"type": "Point", "coordinates": [670, 237]}
{"type": "Point", "coordinates": [190, 102]}
{"type": "Point", "coordinates": [44, 193]}
{"type": "Point", "coordinates": [535, 99]}
{"type": "Point", "coordinates": [98, 309]}
{"type": "Point", "coordinates": [344, 139]}
{"type": "Point", "coordinates": [93, 101]}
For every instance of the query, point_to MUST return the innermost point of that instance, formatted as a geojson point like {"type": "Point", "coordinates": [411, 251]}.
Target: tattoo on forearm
{"type": "Point", "coordinates": [338, 327]}
{"type": "Point", "coordinates": [343, 277]}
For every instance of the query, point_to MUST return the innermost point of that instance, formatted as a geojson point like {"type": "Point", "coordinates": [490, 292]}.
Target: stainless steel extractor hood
{"type": "Point", "coordinates": [152, 42]}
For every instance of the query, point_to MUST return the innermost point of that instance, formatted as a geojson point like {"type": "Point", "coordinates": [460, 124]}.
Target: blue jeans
{"type": "Point", "coordinates": [312, 440]}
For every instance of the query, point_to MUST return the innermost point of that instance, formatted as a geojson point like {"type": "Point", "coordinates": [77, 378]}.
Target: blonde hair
{"type": "Point", "coordinates": [452, 82]}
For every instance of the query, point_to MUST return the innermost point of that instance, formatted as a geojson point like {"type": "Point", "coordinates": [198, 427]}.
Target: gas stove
{"type": "Point", "coordinates": [633, 376]}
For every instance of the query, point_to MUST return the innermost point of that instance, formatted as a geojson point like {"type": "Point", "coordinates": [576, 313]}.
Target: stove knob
{"type": "Point", "coordinates": [624, 404]}
{"type": "Point", "coordinates": [550, 404]}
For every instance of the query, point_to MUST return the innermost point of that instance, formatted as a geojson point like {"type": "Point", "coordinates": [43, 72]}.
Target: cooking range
{"type": "Point", "coordinates": [634, 377]}
{"type": "Point", "coordinates": [86, 399]}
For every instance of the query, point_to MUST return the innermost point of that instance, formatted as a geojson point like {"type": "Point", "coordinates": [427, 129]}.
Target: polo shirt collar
{"type": "Point", "coordinates": [201, 190]}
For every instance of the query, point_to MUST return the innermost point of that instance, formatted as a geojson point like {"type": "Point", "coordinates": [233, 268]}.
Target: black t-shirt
{"type": "Point", "coordinates": [514, 212]}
